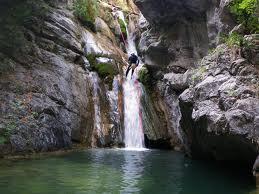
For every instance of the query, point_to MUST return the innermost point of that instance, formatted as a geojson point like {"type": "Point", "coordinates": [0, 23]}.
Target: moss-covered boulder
{"type": "Point", "coordinates": [144, 76]}
{"type": "Point", "coordinates": [105, 67]}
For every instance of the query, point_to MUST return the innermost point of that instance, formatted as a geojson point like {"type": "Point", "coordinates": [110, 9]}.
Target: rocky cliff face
{"type": "Point", "coordinates": [174, 36]}
{"type": "Point", "coordinates": [216, 117]}
{"type": "Point", "coordinates": [220, 110]}
{"type": "Point", "coordinates": [48, 94]}
{"type": "Point", "coordinates": [61, 77]}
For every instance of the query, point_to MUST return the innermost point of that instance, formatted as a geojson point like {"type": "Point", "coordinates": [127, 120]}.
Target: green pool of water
{"type": "Point", "coordinates": [119, 171]}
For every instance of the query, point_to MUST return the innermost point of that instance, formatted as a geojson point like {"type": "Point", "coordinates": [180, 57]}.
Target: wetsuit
{"type": "Point", "coordinates": [133, 63]}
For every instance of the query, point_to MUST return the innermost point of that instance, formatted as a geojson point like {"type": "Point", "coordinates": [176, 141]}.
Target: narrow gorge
{"type": "Point", "coordinates": [194, 94]}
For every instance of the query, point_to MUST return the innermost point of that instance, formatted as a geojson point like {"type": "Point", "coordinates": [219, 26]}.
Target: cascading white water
{"type": "Point", "coordinates": [134, 135]}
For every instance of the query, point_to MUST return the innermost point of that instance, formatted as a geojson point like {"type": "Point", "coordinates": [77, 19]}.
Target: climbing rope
{"type": "Point", "coordinates": [124, 41]}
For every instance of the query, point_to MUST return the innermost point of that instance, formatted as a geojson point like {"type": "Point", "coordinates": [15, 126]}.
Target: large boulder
{"type": "Point", "coordinates": [220, 111]}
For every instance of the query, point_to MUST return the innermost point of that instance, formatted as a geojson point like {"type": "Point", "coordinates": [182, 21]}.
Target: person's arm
{"type": "Point", "coordinates": [138, 62]}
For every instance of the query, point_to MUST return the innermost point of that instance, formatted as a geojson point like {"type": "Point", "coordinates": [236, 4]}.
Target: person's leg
{"type": "Point", "coordinates": [132, 73]}
{"type": "Point", "coordinates": [128, 69]}
{"type": "Point", "coordinates": [133, 69]}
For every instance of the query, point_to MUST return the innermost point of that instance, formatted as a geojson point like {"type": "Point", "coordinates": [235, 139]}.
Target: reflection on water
{"type": "Point", "coordinates": [133, 168]}
{"type": "Point", "coordinates": [120, 171]}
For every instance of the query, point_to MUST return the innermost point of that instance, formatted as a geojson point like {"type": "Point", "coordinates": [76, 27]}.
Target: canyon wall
{"type": "Point", "coordinates": [211, 103]}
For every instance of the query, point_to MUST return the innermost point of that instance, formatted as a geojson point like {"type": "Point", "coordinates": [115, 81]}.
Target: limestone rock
{"type": "Point", "coordinates": [104, 29]}
{"type": "Point", "coordinates": [46, 96]}
{"type": "Point", "coordinates": [219, 113]}
{"type": "Point", "coordinates": [164, 12]}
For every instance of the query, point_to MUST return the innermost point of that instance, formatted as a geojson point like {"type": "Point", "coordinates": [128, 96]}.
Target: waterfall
{"type": "Point", "coordinates": [132, 92]}
{"type": "Point", "coordinates": [97, 112]}
{"type": "Point", "coordinates": [134, 135]}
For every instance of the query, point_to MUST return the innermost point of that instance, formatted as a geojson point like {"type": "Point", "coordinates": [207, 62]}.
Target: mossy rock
{"type": "Point", "coordinates": [106, 71]}
{"type": "Point", "coordinates": [92, 59]}
{"type": "Point", "coordinates": [144, 76]}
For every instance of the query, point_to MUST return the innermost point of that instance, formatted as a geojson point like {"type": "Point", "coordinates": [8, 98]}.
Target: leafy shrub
{"type": "Point", "coordinates": [86, 10]}
{"type": "Point", "coordinates": [234, 39]}
{"type": "Point", "coordinates": [246, 12]}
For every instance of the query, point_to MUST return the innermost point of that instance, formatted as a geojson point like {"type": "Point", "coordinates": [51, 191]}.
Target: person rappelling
{"type": "Point", "coordinates": [133, 63]}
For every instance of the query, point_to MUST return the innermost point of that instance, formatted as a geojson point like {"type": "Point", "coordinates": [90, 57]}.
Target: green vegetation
{"type": "Point", "coordinates": [6, 132]}
{"type": "Point", "coordinates": [246, 12]}
{"type": "Point", "coordinates": [105, 70]}
{"type": "Point", "coordinates": [122, 26]}
{"type": "Point", "coordinates": [234, 39]}
{"type": "Point", "coordinates": [86, 11]}
{"type": "Point", "coordinates": [144, 76]}
{"type": "Point", "coordinates": [92, 59]}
